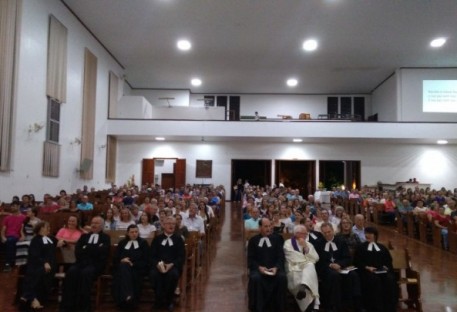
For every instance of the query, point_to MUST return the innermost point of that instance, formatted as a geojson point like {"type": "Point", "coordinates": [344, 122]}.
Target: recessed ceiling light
{"type": "Point", "coordinates": [442, 142]}
{"type": "Point", "coordinates": [310, 45]}
{"type": "Point", "coordinates": [184, 45]}
{"type": "Point", "coordinates": [292, 82]}
{"type": "Point", "coordinates": [196, 82]}
{"type": "Point", "coordinates": [438, 42]}
{"type": "Point", "coordinates": [160, 139]}
{"type": "Point", "coordinates": [297, 140]}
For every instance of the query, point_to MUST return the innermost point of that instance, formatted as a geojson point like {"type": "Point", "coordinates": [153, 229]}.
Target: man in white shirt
{"type": "Point", "coordinates": [194, 222]}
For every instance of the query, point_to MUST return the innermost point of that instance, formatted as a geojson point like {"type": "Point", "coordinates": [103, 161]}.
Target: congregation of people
{"type": "Point", "coordinates": [154, 222]}
{"type": "Point", "coordinates": [325, 257]}
{"type": "Point", "coordinates": [328, 259]}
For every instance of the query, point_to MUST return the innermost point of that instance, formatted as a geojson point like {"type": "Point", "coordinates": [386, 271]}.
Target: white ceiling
{"type": "Point", "coordinates": [253, 46]}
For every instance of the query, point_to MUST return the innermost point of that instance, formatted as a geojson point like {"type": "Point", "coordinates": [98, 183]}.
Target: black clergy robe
{"type": "Point", "coordinates": [265, 291]}
{"type": "Point", "coordinates": [128, 279]}
{"type": "Point", "coordinates": [314, 237]}
{"type": "Point", "coordinates": [379, 290]}
{"type": "Point", "coordinates": [337, 288]}
{"type": "Point", "coordinates": [37, 282]}
{"type": "Point", "coordinates": [165, 284]}
{"type": "Point", "coordinates": [91, 258]}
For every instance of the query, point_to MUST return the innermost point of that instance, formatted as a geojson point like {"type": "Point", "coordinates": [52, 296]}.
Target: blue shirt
{"type": "Point", "coordinates": [85, 206]}
{"type": "Point", "coordinates": [359, 233]}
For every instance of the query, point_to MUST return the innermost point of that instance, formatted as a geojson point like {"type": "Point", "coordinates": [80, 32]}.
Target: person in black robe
{"type": "Point", "coordinates": [239, 191]}
{"type": "Point", "coordinates": [167, 259]}
{"type": "Point", "coordinates": [130, 262]}
{"type": "Point", "coordinates": [40, 267]}
{"type": "Point", "coordinates": [314, 237]}
{"type": "Point", "coordinates": [91, 251]}
{"type": "Point", "coordinates": [337, 288]}
{"type": "Point", "coordinates": [267, 278]}
{"type": "Point", "coordinates": [376, 273]}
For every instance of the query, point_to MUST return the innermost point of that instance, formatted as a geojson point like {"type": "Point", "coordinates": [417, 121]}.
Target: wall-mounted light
{"type": "Point", "coordinates": [35, 127]}
{"type": "Point", "coordinates": [76, 141]}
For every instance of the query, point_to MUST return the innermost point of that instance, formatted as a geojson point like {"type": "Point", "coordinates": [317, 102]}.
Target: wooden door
{"type": "Point", "coordinates": [147, 175]}
{"type": "Point", "coordinates": [180, 173]}
{"type": "Point", "coordinates": [168, 180]}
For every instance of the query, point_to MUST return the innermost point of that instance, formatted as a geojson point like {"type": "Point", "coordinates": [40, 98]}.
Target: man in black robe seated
{"type": "Point", "coordinates": [91, 251]}
{"type": "Point", "coordinates": [167, 259]}
{"type": "Point", "coordinates": [313, 236]}
{"type": "Point", "coordinates": [267, 278]}
{"type": "Point", "coordinates": [338, 285]}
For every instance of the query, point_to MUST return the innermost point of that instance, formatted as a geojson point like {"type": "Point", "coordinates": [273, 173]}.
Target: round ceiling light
{"type": "Point", "coordinates": [292, 82]}
{"type": "Point", "coordinates": [438, 42]}
{"type": "Point", "coordinates": [184, 45]}
{"type": "Point", "coordinates": [196, 82]}
{"type": "Point", "coordinates": [310, 45]}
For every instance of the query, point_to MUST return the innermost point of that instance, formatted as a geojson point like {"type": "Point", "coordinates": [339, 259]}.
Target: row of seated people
{"type": "Point", "coordinates": [127, 196]}
{"type": "Point", "coordinates": [67, 204]}
{"type": "Point", "coordinates": [132, 259]}
{"type": "Point", "coordinates": [420, 221]}
{"type": "Point", "coordinates": [363, 280]}
{"type": "Point", "coordinates": [17, 229]}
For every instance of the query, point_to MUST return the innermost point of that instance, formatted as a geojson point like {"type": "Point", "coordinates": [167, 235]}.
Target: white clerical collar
{"type": "Point", "coordinates": [47, 240]}
{"type": "Point", "coordinates": [264, 240]}
{"type": "Point", "coordinates": [93, 239]}
{"type": "Point", "coordinates": [330, 245]}
{"type": "Point", "coordinates": [130, 243]}
{"type": "Point", "coordinates": [371, 245]}
{"type": "Point", "coordinates": [168, 240]}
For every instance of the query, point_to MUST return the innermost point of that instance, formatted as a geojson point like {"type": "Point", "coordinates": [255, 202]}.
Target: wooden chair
{"type": "Point", "coordinates": [304, 116]}
{"type": "Point", "coordinates": [408, 278]}
{"type": "Point", "coordinates": [452, 237]}
{"type": "Point", "coordinates": [410, 224]}
{"type": "Point", "coordinates": [104, 281]}
{"type": "Point", "coordinates": [116, 236]}
{"type": "Point", "coordinates": [422, 224]}
{"type": "Point", "coordinates": [436, 236]}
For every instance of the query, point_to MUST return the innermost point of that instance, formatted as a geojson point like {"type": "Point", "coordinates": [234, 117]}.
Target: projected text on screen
{"type": "Point", "coordinates": [439, 96]}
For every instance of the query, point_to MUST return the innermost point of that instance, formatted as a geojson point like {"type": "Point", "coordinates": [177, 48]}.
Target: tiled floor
{"type": "Point", "coordinates": [222, 284]}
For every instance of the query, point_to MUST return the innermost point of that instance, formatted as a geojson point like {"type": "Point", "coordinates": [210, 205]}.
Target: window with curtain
{"type": "Point", "coordinates": [9, 11]}
{"type": "Point", "coordinates": [56, 90]}
{"type": "Point", "coordinates": [56, 86]}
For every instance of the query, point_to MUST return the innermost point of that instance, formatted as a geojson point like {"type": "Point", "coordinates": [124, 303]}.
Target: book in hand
{"type": "Point", "coordinates": [348, 269]}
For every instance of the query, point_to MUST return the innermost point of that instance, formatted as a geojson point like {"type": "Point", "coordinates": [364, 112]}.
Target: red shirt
{"type": "Point", "coordinates": [13, 224]}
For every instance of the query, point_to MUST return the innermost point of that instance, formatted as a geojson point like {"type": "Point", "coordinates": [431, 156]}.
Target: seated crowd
{"type": "Point", "coordinates": [155, 223]}
{"type": "Point", "coordinates": [328, 258]}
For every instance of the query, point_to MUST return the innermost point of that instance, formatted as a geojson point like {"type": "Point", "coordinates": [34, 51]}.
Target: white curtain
{"type": "Point", "coordinates": [56, 87]}
{"type": "Point", "coordinates": [113, 95]}
{"type": "Point", "coordinates": [88, 119]}
{"type": "Point", "coordinates": [111, 158]}
{"type": "Point", "coordinates": [51, 159]}
{"type": "Point", "coordinates": [9, 12]}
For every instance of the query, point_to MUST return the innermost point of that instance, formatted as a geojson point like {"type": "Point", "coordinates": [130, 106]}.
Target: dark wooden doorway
{"type": "Point", "coordinates": [298, 174]}
{"type": "Point", "coordinates": [179, 172]}
{"type": "Point", "coordinates": [335, 173]}
{"type": "Point", "coordinates": [257, 172]}
{"type": "Point", "coordinates": [168, 180]}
